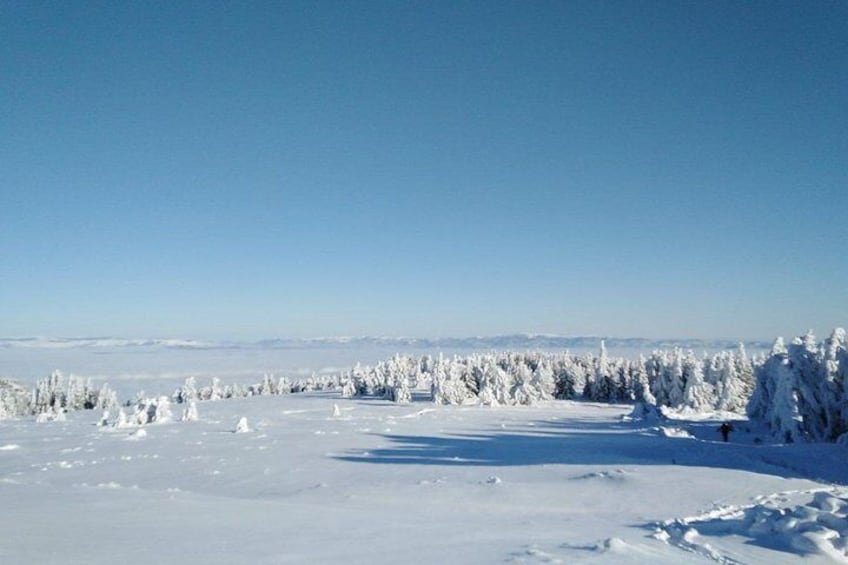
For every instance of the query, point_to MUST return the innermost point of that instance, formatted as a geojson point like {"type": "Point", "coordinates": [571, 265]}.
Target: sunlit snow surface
{"type": "Point", "coordinates": [321, 479]}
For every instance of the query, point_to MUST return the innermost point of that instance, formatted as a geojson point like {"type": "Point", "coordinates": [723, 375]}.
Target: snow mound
{"type": "Point", "coordinates": [819, 526]}
{"type": "Point", "coordinates": [670, 431]}
{"type": "Point", "coordinates": [613, 545]}
{"type": "Point", "coordinates": [9, 447]}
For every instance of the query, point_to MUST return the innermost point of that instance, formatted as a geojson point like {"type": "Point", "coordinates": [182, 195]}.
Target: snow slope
{"type": "Point", "coordinates": [319, 479]}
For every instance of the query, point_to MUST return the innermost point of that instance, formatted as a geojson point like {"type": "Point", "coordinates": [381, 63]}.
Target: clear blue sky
{"type": "Point", "coordinates": [249, 169]}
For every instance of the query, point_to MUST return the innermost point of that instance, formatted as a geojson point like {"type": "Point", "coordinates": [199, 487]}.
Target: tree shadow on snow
{"type": "Point", "coordinates": [588, 442]}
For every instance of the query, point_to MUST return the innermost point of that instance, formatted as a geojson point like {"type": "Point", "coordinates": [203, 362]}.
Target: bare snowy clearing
{"type": "Point", "coordinates": [319, 479]}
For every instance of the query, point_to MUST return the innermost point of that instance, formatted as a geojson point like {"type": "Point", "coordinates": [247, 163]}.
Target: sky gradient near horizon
{"type": "Point", "coordinates": [256, 169]}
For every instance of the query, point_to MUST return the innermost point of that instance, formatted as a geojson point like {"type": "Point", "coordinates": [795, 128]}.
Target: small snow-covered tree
{"type": "Point", "coordinates": [349, 389]}
{"type": "Point", "coordinates": [163, 410]}
{"type": "Point", "coordinates": [398, 391]}
{"type": "Point", "coordinates": [122, 421]}
{"type": "Point", "coordinates": [283, 386]}
{"type": "Point", "coordinates": [107, 399]}
{"type": "Point", "coordinates": [268, 386]}
{"type": "Point", "coordinates": [190, 412]}
{"type": "Point", "coordinates": [242, 426]}
{"type": "Point", "coordinates": [187, 392]}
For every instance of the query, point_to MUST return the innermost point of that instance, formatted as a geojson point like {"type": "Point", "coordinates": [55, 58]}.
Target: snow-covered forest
{"type": "Point", "coordinates": [676, 378]}
{"type": "Point", "coordinates": [798, 392]}
{"type": "Point", "coordinates": [801, 389]}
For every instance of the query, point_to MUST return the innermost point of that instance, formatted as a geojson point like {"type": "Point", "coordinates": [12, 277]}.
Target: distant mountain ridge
{"type": "Point", "coordinates": [503, 342]}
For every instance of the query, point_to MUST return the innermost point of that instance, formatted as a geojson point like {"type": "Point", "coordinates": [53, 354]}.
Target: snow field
{"type": "Point", "coordinates": [319, 479]}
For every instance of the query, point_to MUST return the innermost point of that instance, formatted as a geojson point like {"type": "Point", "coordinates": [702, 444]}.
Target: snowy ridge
{"type": "Point", "coordinates": [504, 342]}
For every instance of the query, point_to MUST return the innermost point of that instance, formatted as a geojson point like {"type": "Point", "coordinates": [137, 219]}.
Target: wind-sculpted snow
{"type": "Point", "coordinates": [817, 526]}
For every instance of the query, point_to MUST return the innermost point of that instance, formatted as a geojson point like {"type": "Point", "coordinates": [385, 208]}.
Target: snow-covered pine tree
{"type": "Point", "coordinates": [448, 387]}
{"type": "Point", "coordinates": [565, 378]}
{"type": "Point", "coordinates": [107, 399]}
{"type": "Point", "coordinates": [805, 359]}
{"type": "Point", "coordinates": [639, 382]}
{"type": "Point", "coordinates": [623, 391]}
{"type": "Point", "coordinates": [833, 395]}
{"type": "Point", "coordinates": [762, 398]}
{"type": "Point", "coordinates": [268, 386]}
{"type": "Point", "coordinates": [349, 389]}
{"type": "Point", "coordinates": [698, 394]}
{"type": "Point", "coordinates": [655, 371]}
{"type": "Point", "coordinates": [283, 386]}
{"type": "Point", "coordinates": [489, 377]}
{"type": "Point", "coordinates": [744, 369]}
{"type": "Point", "coordinates": [543, 380]}
{"type": "Point", "coordinates": [601, 388]}
{"type": "Point", "coordinates": [503, 383]}
{"type": "Point", "coordinates": [732, 392]}
{"type": "Point", "coordinates": [842, 377]}
{"type": "Point", "coordinates": [522, 388]}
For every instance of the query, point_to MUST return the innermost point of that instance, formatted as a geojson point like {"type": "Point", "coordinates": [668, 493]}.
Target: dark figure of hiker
{"type": "Point", "coordinates": [725, 430]}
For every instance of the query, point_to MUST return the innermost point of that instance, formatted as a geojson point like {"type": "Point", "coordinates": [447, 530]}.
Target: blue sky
{"type": "Point", "coordinates": [249, 169]}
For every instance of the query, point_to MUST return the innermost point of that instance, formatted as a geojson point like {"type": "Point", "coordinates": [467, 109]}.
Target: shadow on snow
{"type": "Point", "coordinates": [592, 442]}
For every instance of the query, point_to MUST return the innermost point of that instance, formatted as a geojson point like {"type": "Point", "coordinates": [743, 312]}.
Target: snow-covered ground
{"type": "Point", "coordinates": [321, 479]}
